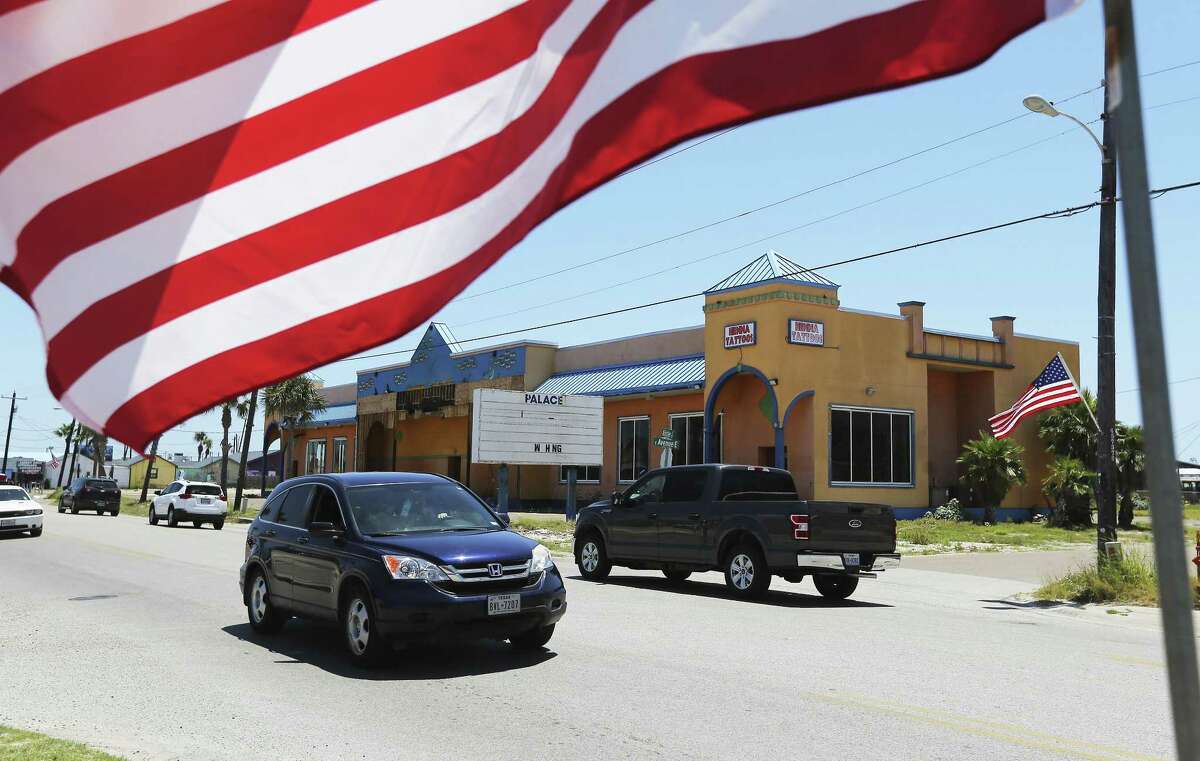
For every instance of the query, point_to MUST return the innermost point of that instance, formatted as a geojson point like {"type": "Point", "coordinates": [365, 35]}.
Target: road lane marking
{"type": "Point", "coordinates": [1013, 734]}
{"type": "Point", "coordinates": [1137, 661]}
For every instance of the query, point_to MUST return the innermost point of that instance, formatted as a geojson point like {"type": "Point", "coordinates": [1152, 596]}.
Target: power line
{"type": "Point", "coordinates": [1058, 214]}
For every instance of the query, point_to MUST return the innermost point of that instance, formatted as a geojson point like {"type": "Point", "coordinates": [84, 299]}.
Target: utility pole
{"type": "Point", "coordinates": [1106, 371]}
{"type": "Point", "coordinates": [12, 410]}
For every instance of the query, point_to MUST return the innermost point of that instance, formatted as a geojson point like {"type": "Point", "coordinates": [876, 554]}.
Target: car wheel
{"type": "Point", "coordinates": [35, 532]}
{"type": "Point", "coordinates": [835, 586]}
{"type": "Point", "coordinates": [365, 643]}
{"type": "Point", "coordinates": [676, 576]}
{"type": "Point", "coordinates": [74, 509]}
{"type": "Point", "coordinates": [61, 509]}
{"type": "Point", "coordinates": [592, 559]}
{"type": "Point", "coordinates": [197, 524]}
{"type": "Point", "coordinates": [534, 639]}
{"type": "Point", "coordinates": [115, 513]}
{"type": "Point", "coordinates": [218, 524]}
{"type": "Point", "coordinates": [172, 521]}
{"type": "Point", "coordinates": [153, 516]}
{"type": "Point", "coordinates": [746, 572]}
{"type": "Point", "coordinates": [265, 618]}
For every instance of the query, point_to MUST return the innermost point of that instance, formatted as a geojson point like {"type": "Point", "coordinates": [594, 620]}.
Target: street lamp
{"type": "Point", "coordinates": [1106, 400]}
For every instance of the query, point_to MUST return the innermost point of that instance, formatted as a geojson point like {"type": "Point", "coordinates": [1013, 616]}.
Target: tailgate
{"type": "Point", "coordinates": [850, 527]}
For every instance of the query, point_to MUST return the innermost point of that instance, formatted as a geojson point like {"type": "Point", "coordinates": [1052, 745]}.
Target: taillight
{"type": "Point", "coordinates": [800, 526]}
{"type": "Point", "coordinates": [187, 493]}
{"type": "Point", "coordinates": [222, 496]}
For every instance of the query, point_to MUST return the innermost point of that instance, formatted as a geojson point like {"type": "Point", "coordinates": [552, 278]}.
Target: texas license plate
{"type": "Point", "coordinates": [11, 522]}
{"type": "Point", "coordinates": [499, 605]}
{"type": "Point", "coordinates": [205, 501]}
{"type": "Point", "coordinates": [850, 558]}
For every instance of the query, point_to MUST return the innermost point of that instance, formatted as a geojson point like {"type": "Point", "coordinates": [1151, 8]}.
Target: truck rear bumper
{"type": "Point", "coordinates": [829, 561]}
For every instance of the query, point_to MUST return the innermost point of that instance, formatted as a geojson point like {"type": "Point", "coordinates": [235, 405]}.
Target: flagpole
{"type": "Point", "coordinates": [1078, 390]}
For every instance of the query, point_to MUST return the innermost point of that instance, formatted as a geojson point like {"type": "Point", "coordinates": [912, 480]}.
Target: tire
{"type": "Point", "coordinates": [676, 576]}
{"type": "Point", "coordinates": [835, 586]}
{"type": "Point", "coordinates": [592, 558]}
{"type": "Point", "coordinates": [61, 509]}
{"type": "Point", "coordinates": [74, 509]}
{"type": "Point", "coordinates": [197, 524]}
{"type": "Point", "coordinates": [35, 532]}
{"type": "Point", "coordinates": [746, 572]}
{"type": "Point", "coordinates": [365, 645]}
{"type": "Point", "coordinates": [534, 639]}
{"type": "Point", "coordinates": [152, 516]}
{"type": "Point", "coordinates": [264, 617]}
{"type": "Point", "coordinates": [219, 524]}
{"type": "Point", "coordinates": [172, 521]}
{"type": "Point", "coordinates": [116, 512]}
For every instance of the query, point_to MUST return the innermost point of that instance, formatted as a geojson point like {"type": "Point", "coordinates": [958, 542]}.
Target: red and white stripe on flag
{"type": "Point", "coordinates": [201, 197]}
{"type": "Point", "coordinates": [1053, 387]}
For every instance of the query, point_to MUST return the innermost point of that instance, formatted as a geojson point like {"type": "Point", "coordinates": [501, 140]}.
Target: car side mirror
{"type": "Point", "coordinates": [322, 528]}
{"type": "Point", "coordinates": [618, 499]}
{"type": "Point", "coordinates": [505, 520]}
{"type": "Point", "coordinates": [158, 492]}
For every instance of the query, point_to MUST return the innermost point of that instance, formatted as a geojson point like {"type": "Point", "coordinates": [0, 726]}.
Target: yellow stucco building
{"type": "Point", "coordinates": [857, 405]}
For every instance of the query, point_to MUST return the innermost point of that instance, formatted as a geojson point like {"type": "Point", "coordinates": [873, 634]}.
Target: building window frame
{"type": "Point", "coordinates": [312, 444]}
{"type": "Point", "coordinates": [335, 465]}
{"type": "Point", "coordinates": [621, 421]}
{"type": "Point", "coordinates": [912, 446]}
{"type": "Point", "coordinates": [700, 417]}
{"type": "Point", "coordinates": [580, 475]}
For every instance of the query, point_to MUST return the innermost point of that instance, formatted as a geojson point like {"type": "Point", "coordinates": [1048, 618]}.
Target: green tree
{"type": "Point", "coordinates": [98, 442]}
{"type": "Point", "coordinates": [66, 432]}
{"type": "Point", "coordinates": [293, 402]}
{"type": "Point", "coordinates": [1069, 483]}
{"type": "Point", "coordinates": [1130, 456]}
{"type": "Point", "coordinates": [990, 467]}
{"type": "Point", "coordinates": [226, 408]}
{"type": "Point", "coordinates": [245, 410]}
{"type": "Point", "coordinates": [1068, 431]}
{"type": "Point", "coordinates": [151, 462]}
{"type": "Point", "coordinates": [203, 444]}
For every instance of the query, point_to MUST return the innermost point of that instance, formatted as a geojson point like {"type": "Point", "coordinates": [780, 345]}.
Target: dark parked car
{"type": "Point", "coordinates": [393, 557]}
{"type": "Point", "coordinates": [746, 521]}
{"type": "Point", "coordinates": [90, 493]}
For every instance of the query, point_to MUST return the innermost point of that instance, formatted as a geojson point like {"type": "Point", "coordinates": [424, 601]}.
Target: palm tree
{"type": "Point", "coordinates": [65, 432]}
{"type": "Point", "coordinates": [1069, 484]}
{"type": "Point", "coordinates": [293, 401]}
{"type": "Point", "coordinates": [149, 465]}
{"type": "Point", "coordinates": [203, 443]}
{"type": "Point", "coordinates": [82, 432]}
{"type": "Point", "coordinates": [245, 410]}
{"type": "Point", "coordinates": [226, 408]}
{"type": "Point", "coordinates": [991, 467]}
{"type": "Point", "coordinates": [1130, 456]}
{"type": "Point", "coordinates": [99, 443]}
{"type": "Point", "coordinates": [1069, 431]}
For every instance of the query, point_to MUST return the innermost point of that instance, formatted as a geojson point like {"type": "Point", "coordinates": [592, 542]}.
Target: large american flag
{"type": "Point", "coordinates": [1054, 387]}
{"type": "Point", "coordinates": [201, 197]}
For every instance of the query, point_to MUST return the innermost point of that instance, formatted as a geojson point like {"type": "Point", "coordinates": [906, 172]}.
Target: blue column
{"type": "Point", "coordinates": [779, 446]}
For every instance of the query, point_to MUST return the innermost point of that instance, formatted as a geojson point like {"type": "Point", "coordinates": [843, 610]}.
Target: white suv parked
{"type": "Point", "coordinates": [196, 501]}
{"type": "Point", "coordinates": [18, 512]}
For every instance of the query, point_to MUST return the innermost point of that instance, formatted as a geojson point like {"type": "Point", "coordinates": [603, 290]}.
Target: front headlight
{"type": "Point", "coordinates": [405, 567]}
{"type": "Point", "coordinates": [541, 559]}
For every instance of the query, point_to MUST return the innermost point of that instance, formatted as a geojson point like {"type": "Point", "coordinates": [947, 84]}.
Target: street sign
{"type": "Point", "coordinates": [740, 334]}
{"type": "Point", "coordinates": [667, 439]}
{"type": "Point", "coordinates": [527, 428]}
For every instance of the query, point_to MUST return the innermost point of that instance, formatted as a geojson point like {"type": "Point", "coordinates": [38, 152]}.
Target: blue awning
{"type": "Point", "coordinates": [620, 380]}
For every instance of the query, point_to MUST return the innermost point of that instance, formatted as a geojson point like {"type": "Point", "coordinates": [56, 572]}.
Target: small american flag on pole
{"type": "Point", "coordinates": [1054, 387]}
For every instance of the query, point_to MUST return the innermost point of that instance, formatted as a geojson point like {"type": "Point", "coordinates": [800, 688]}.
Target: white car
{"type": "Point", "coordinates": [196, 501]}
{"type": "Point", "coordinates": [18, 512]}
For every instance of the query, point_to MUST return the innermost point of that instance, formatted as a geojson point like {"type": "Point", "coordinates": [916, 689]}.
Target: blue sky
{"type": "Point", "coordinates": [1043, 272]}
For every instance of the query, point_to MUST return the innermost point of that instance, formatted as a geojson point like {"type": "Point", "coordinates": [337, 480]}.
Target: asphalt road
{"type": "Point", "coordinates": [133, 638]}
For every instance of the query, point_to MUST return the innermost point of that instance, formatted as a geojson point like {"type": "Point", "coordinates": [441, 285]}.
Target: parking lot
{"type": "Point", "coordinates": [133, 638]}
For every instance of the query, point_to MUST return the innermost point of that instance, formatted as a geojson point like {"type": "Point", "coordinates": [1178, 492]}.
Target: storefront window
{"type": "Point", "coordinates": [870, 446]}
{"type": "Point", "coordinates": [584, 474]}
{"type": "Point", "coordinates": [689, 432]}
{"type": "Point", "coordinates": [633, 452]}
{"type": "Point", "coordinates": [339, 454]}
{"type": "Point", "coordinates": [314, 460]}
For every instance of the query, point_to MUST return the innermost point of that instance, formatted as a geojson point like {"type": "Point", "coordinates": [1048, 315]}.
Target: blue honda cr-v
{"type": "Point", "coordinates": [395, 556]}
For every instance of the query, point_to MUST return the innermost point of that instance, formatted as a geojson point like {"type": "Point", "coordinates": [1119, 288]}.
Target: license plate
{"type": "Point", "coordinates": [11, 522]}
{"type": "Point", "coordinates": [205, 501]}
{"type": "Point", "coordinates": [850, 558]}
{"type": "Point", "coordinates": [499, 605]}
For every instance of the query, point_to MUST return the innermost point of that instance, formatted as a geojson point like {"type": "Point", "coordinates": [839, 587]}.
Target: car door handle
{"type": "Point", "coordinates": [302, 540]}
{"type": "Point", "coordinates": [651, 516]}
{"type": "Point", "coordinates": [694, 516]}
{"type": "Point", "coordinates": [269, 532]}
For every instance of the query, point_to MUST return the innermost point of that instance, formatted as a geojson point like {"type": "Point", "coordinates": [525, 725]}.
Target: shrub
{"type": "Point", "coordinates": [1069, 484]}
{"type": "Point", "coordinates": [991, 467]}
{"type": "Point", "coordinates": [951, 511]}
{"type": "Point", "coordinates": [921, 531]}
{"type": "Point", "coordinates": [1129, 579]}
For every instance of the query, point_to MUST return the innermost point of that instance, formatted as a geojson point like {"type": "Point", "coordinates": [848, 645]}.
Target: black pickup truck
{"type": "Point", "coordinates": [746, 521]}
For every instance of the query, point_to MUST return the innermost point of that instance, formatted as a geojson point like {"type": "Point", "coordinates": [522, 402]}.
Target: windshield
{"type": "Point", "coordinates": [100, 483]}
{"type": "Point", "coordinates": [210, 489]}
{"type": "Point", "coordinates": [387, 509]}
{"type": "Point", "coordinates": [12, 495]}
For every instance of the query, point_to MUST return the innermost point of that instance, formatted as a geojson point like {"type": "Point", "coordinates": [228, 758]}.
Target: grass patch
{"type": "Point", "coordinates": [1128, 581]}
{"type": "Point", "coordinates": [554, 531]}
{"type": "Point", "coordinates": [19, 745]}
{"type": "Point", "coordinates": [929, 531]}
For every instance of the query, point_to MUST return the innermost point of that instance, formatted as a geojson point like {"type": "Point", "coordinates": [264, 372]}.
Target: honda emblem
{"type": "Point", "coordinates": [856, 523]}
{"type": "Point", "coordinates": [495, 569]}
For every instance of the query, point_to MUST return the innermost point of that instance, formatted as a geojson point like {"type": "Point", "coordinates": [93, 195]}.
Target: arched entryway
{"type": "Point", "coordinates": [378, 454]}
{"type": "Point", "coordinates": [750, 429]}
{"type": "Point", "coordinates": [798, 441]}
